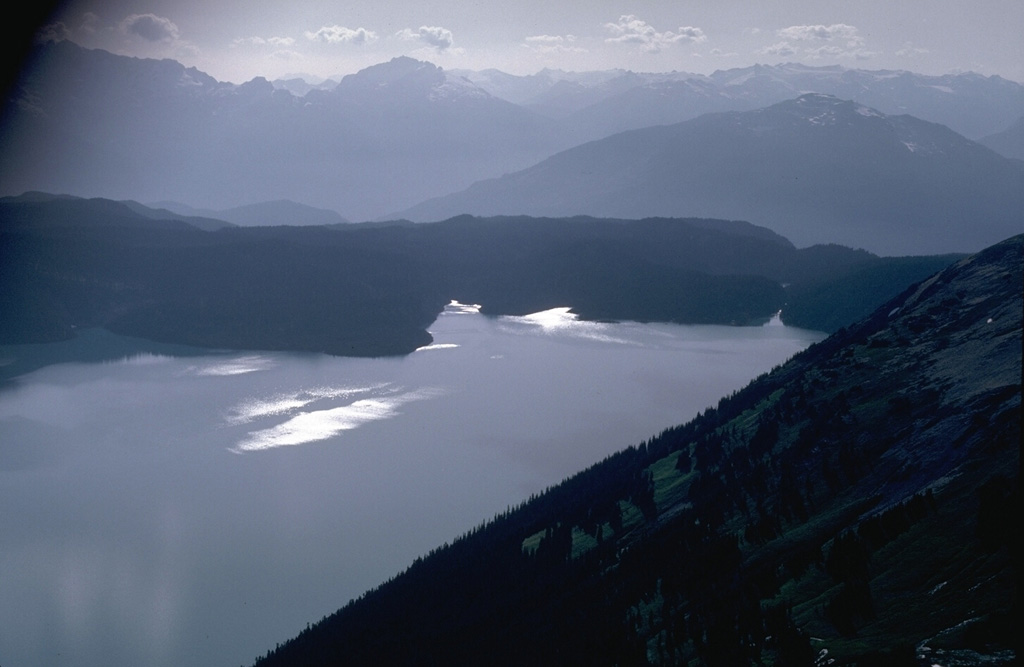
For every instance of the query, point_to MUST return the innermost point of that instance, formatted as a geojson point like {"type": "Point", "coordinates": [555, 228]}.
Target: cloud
{"type": "Point", "coordinates": [553, 44]}
{"type": "Point", "coordinates": [826, 51]}
{"type": "Point", "coordinates": [89, 22]}
{"type": "Point", "coordinates": [287, 55]}
{"type": "Point", "coordinates": [822, 33]}
{"type": "Point", "coordinates": [551, 39]}
{"type": "Point", "coordinates": [830, 52]}
{"type": "Point", "coordinates": [338, 34]}
{"type": "Point", "coordinates": [186, 50]}
{"type": "Point", "coordinates": [911, 51]}
{"type": "Point", "coordinates": [691, 34]}
{"type": "Point", "coordinates": [150, 27]}
{"type": "Point", "coordinates": [54, 32]}
{"type": "Point", "coordinates": [783, 49]}
{"type": "Point", "coordinates": [631, 30]}
{"type": "Point", "coordinates": [260, 41]}
{"type": "Point", "coordinates": [436, 36]}
{"type": "Point", "coordinates": [814, 42]}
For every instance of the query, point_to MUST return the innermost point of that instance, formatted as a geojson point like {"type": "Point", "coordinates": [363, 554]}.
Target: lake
{"type": "Point", "coordinates": [198, 508]}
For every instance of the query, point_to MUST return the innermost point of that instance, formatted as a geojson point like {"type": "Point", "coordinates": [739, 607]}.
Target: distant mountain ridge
{"type": "Point", "coordinates": [299, 86]}
{"type": "Point", "coordinates": [1009, 142]}
{"type": "Point", "coordinates": [616, 100]}
{"type": "Point", "coordinates": [265, 214]}
{"type": "Point", "coordinates": [816, 169]}
{"type": "Point", "coordinates": [92, 123]}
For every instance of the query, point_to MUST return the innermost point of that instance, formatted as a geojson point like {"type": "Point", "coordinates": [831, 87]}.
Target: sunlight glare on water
{"type": "Point", "coordinates": [255, 408]}
{"type": "Point", "coordinates": [198, 508]}
{"type": "Point", "coordinates": [562, 321]}
{"type": "Point", "coordinates": [456, 308]}
{"type": "Point", "coordinates": [239, 366]}
{"type": "Point", "coordinates": [308, 427]}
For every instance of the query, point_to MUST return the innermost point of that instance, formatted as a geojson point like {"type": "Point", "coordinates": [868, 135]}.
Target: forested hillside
{"type": "Point", "coordinates": [858, 501]}
{"type": "Point", "coordinates": [371, 290]}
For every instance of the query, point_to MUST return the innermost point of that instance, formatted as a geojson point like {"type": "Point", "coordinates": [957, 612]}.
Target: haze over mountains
{"type": "Point", "coordinates": [90, 123]}
{"type": "Point", "coordinates": [617, 100]}
{"type": "Point", "coordinates": [816, 169]}
{"type": "Point", "coordinates": [1009, 142]}
{"type": "Point", "coordinates": [262, 214]}
{"type": "Point", "coordinates": [95, 124]}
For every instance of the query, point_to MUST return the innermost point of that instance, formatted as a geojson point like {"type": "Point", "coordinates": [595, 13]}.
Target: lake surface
{"type": "Point", "coordinates": [197, 510]}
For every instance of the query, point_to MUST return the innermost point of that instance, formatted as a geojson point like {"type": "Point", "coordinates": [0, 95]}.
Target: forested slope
{"type": "Point", "coordinates": [858, 500]}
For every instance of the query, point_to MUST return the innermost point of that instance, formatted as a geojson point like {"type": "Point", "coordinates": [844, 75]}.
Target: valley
{"type": "Point", "coordinates": [597, 367]}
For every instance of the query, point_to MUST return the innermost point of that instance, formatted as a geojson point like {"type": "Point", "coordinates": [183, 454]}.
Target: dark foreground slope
{"type": "Point", "coordinates": [67, 264]}
{"type": "Point", "coordinates": [861, 499]}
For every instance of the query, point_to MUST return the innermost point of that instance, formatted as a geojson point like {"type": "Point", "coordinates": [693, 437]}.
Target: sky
{"type": "Point", "coordinates": [237, 40]}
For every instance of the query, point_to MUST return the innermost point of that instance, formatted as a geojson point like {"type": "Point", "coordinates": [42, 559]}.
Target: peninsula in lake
{"type": "Point", "coordinates": [373, 289]}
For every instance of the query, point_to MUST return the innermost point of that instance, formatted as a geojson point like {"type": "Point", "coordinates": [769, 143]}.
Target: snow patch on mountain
{"type": "Point", "coordinates": [868, 112]}
{"type": "Point", "coordinates": [457, 87]}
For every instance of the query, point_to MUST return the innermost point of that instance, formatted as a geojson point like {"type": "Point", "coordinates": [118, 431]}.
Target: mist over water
{"type": "Point", "coordinates": [165, 510]}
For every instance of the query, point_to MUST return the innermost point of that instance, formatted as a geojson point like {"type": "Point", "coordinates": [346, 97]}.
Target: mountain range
{"type": "Point", "coordinates": [261, 214]}
{"type": "Point", "coordinates": [616, 100]}
{"type": "Point", "coordinates": [816, 169]}
{"type": "Point", "coordinates": [855, 506]}
{"type": "Point", "coordinates": [91, 123]}
{"type": "Point", "coordinates": [1009, 142]}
